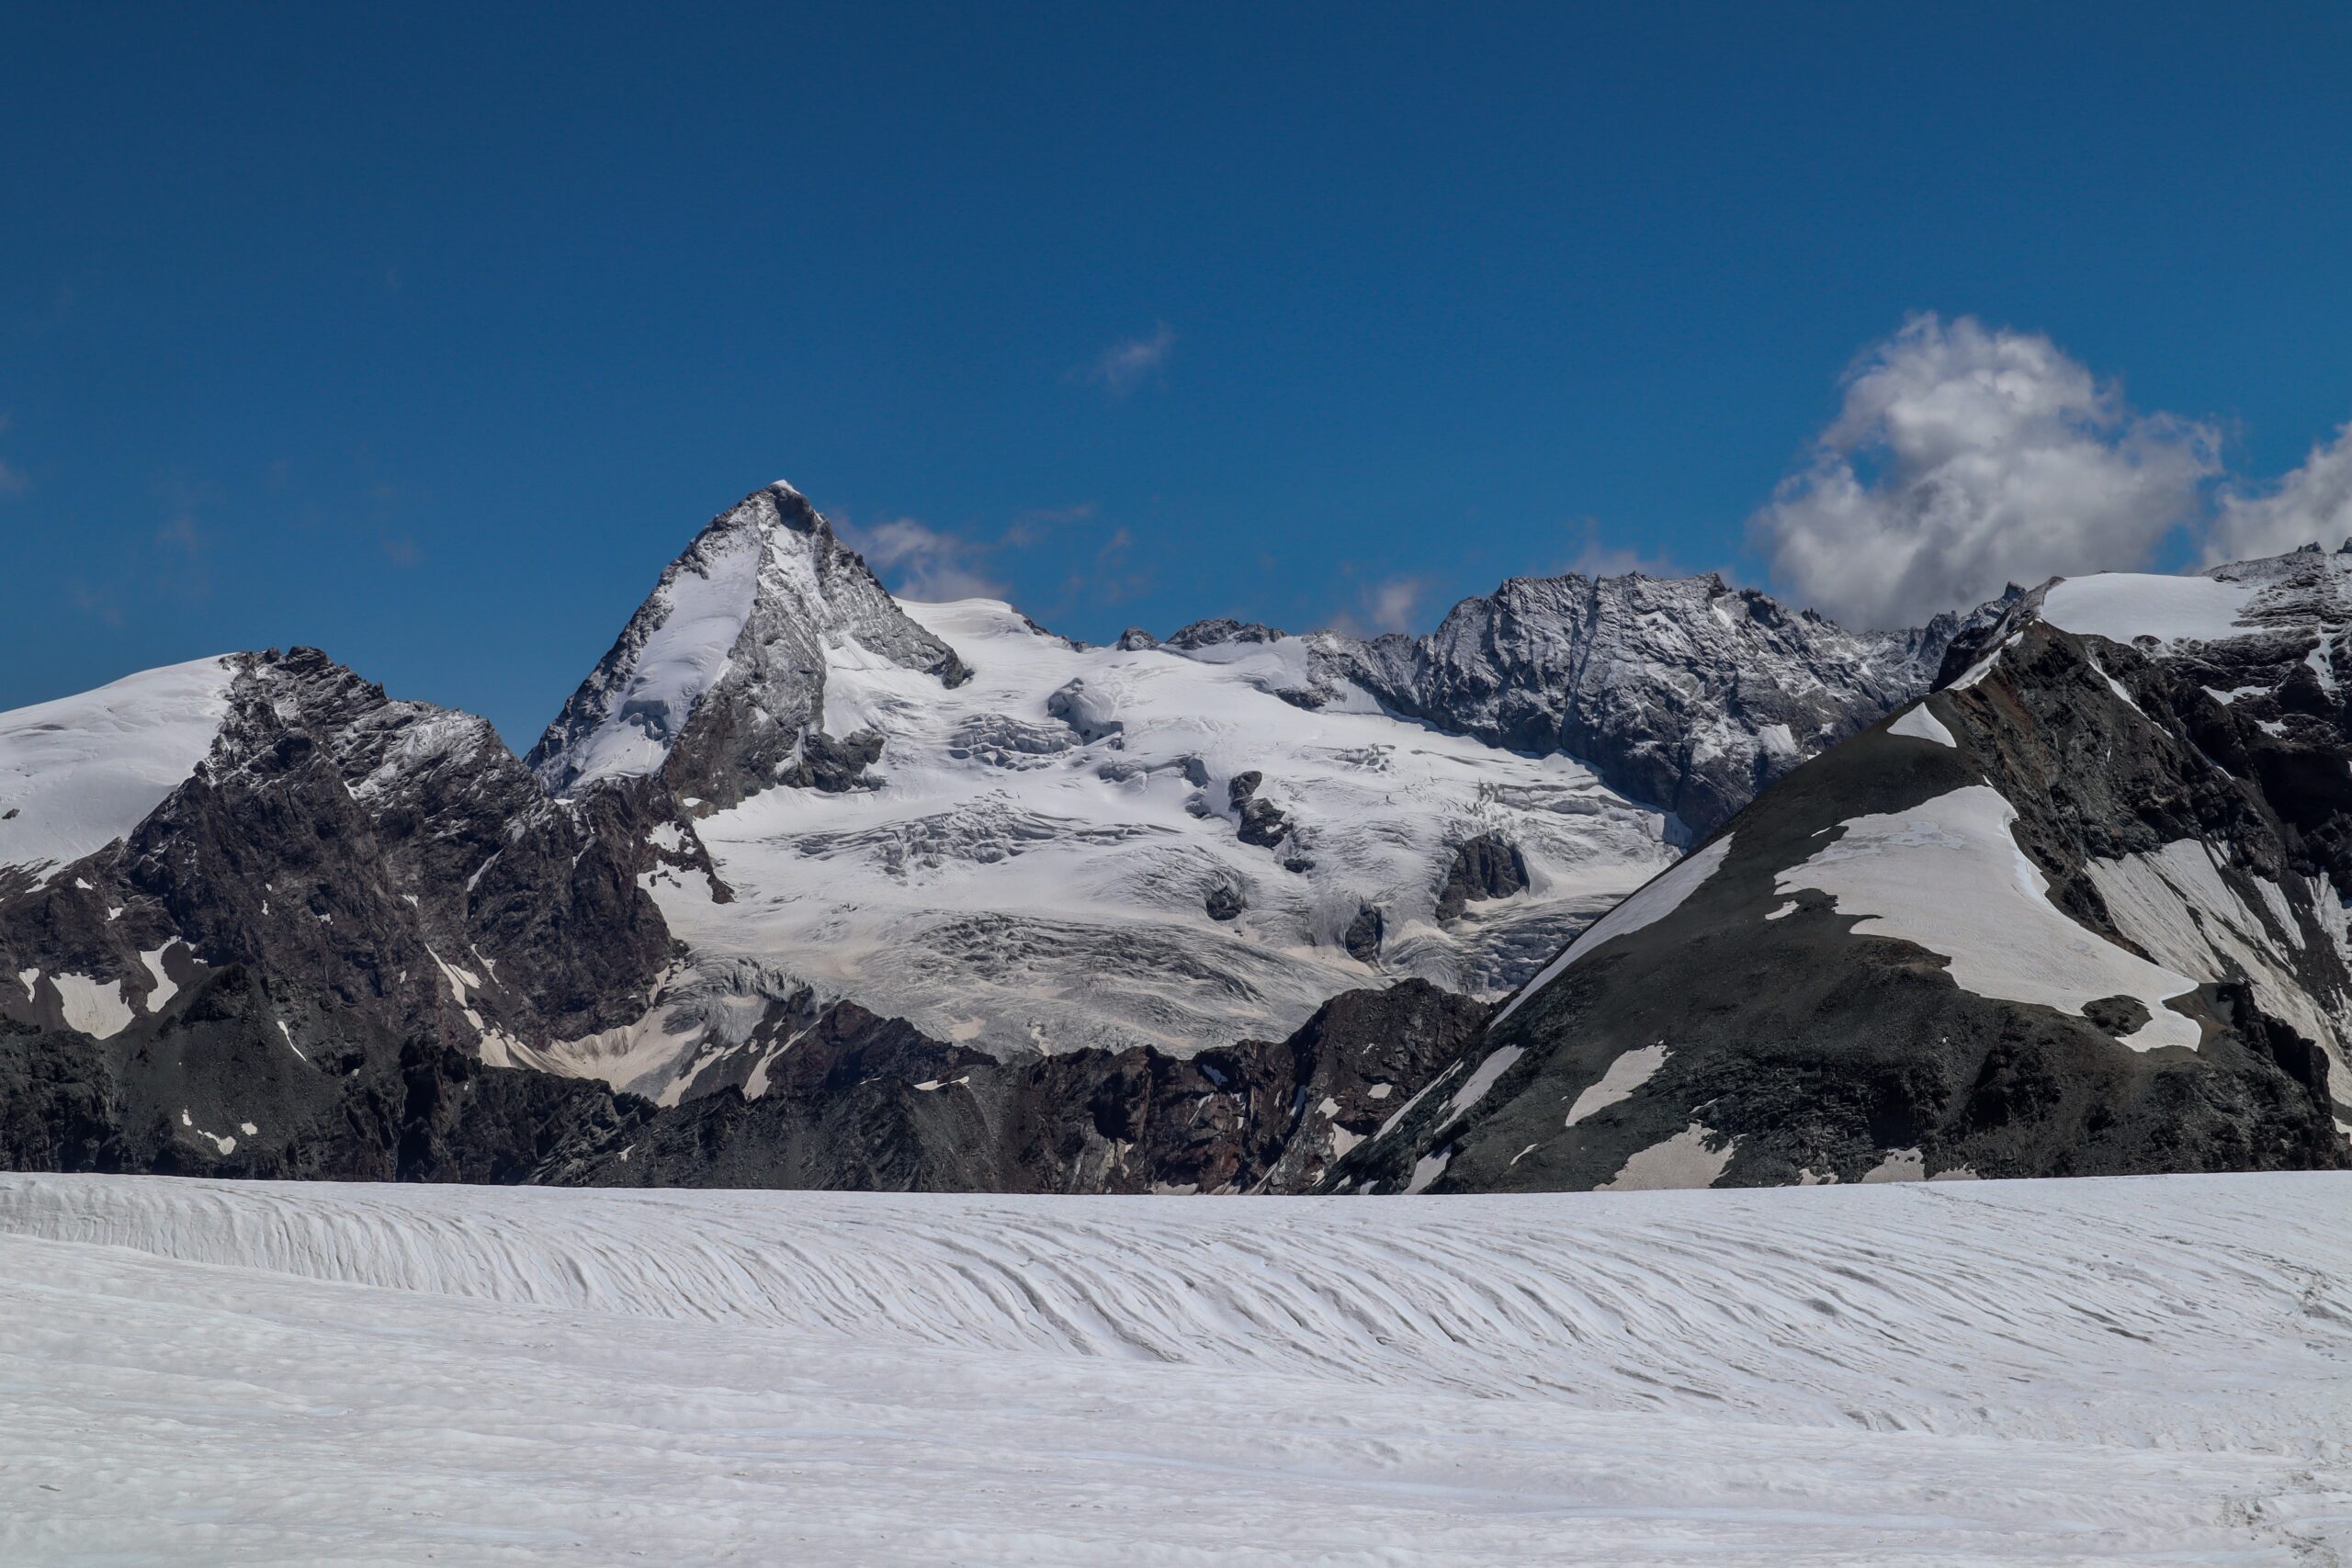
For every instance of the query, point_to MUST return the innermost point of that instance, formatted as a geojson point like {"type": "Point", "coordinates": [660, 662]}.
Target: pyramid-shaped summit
{"type": "Point", "coordinates": [717, 685]}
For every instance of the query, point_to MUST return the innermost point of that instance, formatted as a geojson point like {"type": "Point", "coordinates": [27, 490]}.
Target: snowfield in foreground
{"type": "Point", "coordinates": [2122, 1370]}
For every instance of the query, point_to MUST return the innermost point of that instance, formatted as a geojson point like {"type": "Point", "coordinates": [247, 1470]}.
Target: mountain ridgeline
{"type": "Point", "coordinates": [2078, 912]}
{"type": "Point", "coordinates": [809, 887]}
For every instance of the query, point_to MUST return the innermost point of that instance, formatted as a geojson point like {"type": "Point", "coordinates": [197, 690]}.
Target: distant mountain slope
{"type": "Point", "coordinates": [79, 773]}
{"type": "Point", "coordinates": [1685, 693]}
{"type": "Point", "coordinates": [947, 814]}
{"type": "Point", "coordinates": [389, 857]}
{"type": "Point", "coordinates": [1110, 847]}
{"type": "Point", "coordinates": [2076, 913]}
{"type": "Point", "coordinates": [717, 684]}
{"type": "Point", "coordinates": [787, 815]}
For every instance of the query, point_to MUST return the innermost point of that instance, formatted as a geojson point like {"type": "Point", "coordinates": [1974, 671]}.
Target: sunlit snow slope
{"type": "Point", "coordinates": [2098, 1370]}
{"type": "Point", "coordinates": [1055, 852]}
{"type": "Point", "coordinates": [83, 771]}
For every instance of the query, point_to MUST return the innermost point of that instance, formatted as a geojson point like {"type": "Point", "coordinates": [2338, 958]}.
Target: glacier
{"type": "Point", "coordinates": [1052, 854]}
{"type": "Point", "coordinates": [1975, 1373]}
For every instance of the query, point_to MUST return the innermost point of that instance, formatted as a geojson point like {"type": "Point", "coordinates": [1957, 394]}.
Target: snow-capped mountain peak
{"type": "Point", "coordinates": [1121, 846]}
{"type": "Point", "coordinates": [742, 631]}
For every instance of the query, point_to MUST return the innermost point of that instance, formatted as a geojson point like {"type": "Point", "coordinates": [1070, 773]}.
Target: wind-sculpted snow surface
{"type": "Point", "coordinates": [2075, 1373]}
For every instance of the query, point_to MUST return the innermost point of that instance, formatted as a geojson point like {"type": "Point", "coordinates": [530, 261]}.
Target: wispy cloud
{"type": "Point", "coordinates": [183, 552]}
{"type": "Point", "coordinates": [1121, 368]}
{"type": "Point", "coordinates": [1391, 604]}
{"type": "Point", "coordinates": [1110, 576]}
{"type": "Point", "coordinates": [94, 602]}
{"type": "Point", "coordinates": [919, 562]}
{"type": "Point", "coordinates": [1384, 604]}
{"type": "Point", "coordinates": [1591, 556]}
{"type": "Point", "coordinates": [926, 564]}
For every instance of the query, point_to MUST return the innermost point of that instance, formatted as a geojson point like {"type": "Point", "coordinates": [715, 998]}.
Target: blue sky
{"type": "Point", "coordinates": [428, 337]}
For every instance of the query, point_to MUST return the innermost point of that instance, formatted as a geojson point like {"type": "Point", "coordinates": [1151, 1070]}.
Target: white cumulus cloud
{"type": "Point", "coordinates": [1966, 458]}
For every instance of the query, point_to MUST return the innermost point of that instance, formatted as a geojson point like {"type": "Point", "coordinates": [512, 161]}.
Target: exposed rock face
{"type": "Point", "coordinates": [1486, 867]}
{"type": "Point", "coordinates": [2079, 912]}
{"type": "Point", "coordinates": [1686, 693]}
{"type": "Point", "coordinates": [391, 855]}
{"type": "Point", "coordinates": [1262, 822]}
{"type": "Point", "coordinates": [234, 1079]}
{"type": "Point", "coordinates": [1210, 633]}
{"type": "Point", "coordinates": [871, 1104]}
{"type": "Point", "coordinates": [717, 685]}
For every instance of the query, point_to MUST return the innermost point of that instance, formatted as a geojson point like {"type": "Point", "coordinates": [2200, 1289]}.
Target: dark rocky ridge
{"type": "Point", "coordinates": [238, 1078]}
{"type": "Point", "coordinates": [873, 1104]}
{"type": "Point", "coordinates": [373, 851]}
{"type": "Point", "coordinates": [1804, 1050]}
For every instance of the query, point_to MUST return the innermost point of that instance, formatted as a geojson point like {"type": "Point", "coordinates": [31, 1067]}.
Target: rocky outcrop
{"type": "Point", "coordinates": [869, 1103]}
{"type": "Point", "coordinates": [393, 856]}
{"type": "Point", "coordinates": [1486, 867]}
{"type": "Point", "coordinates": [1262, 822]}
{"type": "Point", "coordinates": [1210, 633]}
{"type": "Point", "coordinates": [1686, 693]}
{"type": "Point", "coordinates": [2079, 912]}
{"type": "Point", "coordinates": [239, 1078]}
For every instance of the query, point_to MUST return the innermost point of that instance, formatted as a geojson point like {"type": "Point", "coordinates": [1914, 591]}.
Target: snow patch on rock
{"type": "Point", "coordinates": [1628, 1073]}
{"type": "Point", "coordinates": [1947, 875]}
{"type": "Point", "coordinates": [1920, 724]}
{"type": "Point", "coordinates": [1681, 1162]}
{"type": "Point", "coordinates": [2124, 605]}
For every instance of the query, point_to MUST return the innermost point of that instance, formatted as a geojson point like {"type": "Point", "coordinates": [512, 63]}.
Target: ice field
{"type": "Point", "coordinates": [2146, 1370]}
